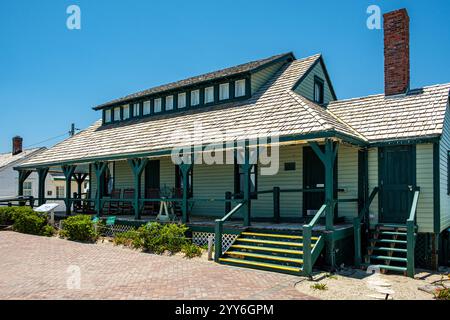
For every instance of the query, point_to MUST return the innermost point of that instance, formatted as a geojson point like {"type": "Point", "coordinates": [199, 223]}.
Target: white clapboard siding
{"type": "Point", "coordinates": [348, 180]}
{"type": "Point", "coordinates": [444, 148]}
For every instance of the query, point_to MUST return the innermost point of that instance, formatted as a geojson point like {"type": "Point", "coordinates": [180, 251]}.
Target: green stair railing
{"type": "Point", "coordinates": [357, 226]}
{"type": "Point", "coordinates": [218, 231]}
{"type": "Point", "coordinates": [411, 235]}
{"type": "Point", "coordinates": [310, 255]}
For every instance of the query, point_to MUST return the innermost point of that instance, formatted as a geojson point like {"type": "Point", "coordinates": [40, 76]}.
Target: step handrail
{"type": "Point", "coordinates": [307, 235]}
{"type": "Point", "coordinates": [357, 226]}
{"type": "Point", "coordinates": [218, 230]}
{"type": "Point", "coordinates": [410, 234]}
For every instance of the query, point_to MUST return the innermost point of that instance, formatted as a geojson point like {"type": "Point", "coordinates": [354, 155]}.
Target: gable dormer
{"type": "Point", "coordinates": [315, 84]}
{"type": "Point", "coordinates": [215, 88]}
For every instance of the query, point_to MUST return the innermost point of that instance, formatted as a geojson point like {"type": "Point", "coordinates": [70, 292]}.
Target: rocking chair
{"type": "Point", "coordinates": [127, 206]}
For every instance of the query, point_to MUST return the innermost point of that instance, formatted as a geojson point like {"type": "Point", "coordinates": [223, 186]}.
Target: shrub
{"type": "Point", "coordinates": [9, 214]}
{"type": "Point", "coordinates": [442, 294]}
{"type": "Point", "coordinates": [48, 231]}
{"type": "Point", "coordinates": [319, 286]}
{"type": "Point", "coordinates": [157, 238]}
{"type": "Point", "coordinates": [191, 250]}
{"type": "Point", "coordinates": [79, 228]}
{"type": "Point", "coordinates": [128, 238]}
{"type": "Point", "coordinates": [29, 222]}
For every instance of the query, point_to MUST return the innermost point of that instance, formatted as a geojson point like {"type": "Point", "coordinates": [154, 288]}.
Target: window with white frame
{"type": "Point", "coordinates": [60, 192]}
{"type": "Point", "coordinates": [195, 97]}
{"type": "Point", "coordinates": [182, 100]}
{"type": "Point", "coordinates": [126, 112]}
{"type": "Point", "coordinates": [136, 110]}
{"type": "Point", "coordinates": [117, 114]}
{"type": "Point", "coordinates": [158, 104]}
{"type": "Point", "coordinates": [146, 110]}
{"type": "Point", "coordinates": [239, 88]}
{"type": "Point", "coordinates": [169, 103]}
{"type": "Point", "coordinates": [27, 189]}
{"type": "Point", "coordinates": [224, 91]}
{"type": "Point", "coordinates": [209, 94]}
{"type": "Point", "coordinates": [108, 116]}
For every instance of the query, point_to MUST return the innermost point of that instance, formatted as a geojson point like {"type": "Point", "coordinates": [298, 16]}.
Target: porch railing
{"type": "Point", "coordinates": [310, 254]}
{"type": "Point", "coordinates": [17, 202]}
{"type": "Point", "coordinates": [411, 234]}
{"type": "Point", "coordinates": [218, 231]}
{"type": "Point", "coordinates": [363, 215]}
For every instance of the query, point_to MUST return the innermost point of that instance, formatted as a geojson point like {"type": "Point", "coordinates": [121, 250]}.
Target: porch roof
{"type": "Point", "coordinates": [274, 108]}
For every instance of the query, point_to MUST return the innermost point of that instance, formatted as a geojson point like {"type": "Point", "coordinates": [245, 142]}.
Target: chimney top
{"type": "Point", "coordinates": [396, 52]}
{"type": "Point", "coordinates": [17, 145]}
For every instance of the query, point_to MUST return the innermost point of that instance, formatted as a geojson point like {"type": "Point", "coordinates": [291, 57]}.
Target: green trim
{"type": "Point", "coordinates": [42, 175]}
{"type": "Point", "coordinates": [321, 82]}
{"type": "Point", "coordinates": [418, 140]}
{"type": "Point", "coordinates": [436, 189]}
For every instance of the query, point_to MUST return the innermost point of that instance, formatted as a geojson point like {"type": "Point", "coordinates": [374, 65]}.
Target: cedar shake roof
{"type": "Point", "coordinates": [419, 113]}
{"type": "Point", "coordinates": [7, 159]}
{"type": "Point", "coordinates": [228, 72]}
{"type": "Point", "coordinates": [273, 108]}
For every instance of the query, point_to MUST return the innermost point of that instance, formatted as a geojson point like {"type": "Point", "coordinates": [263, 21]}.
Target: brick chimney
{"type": "Point", "coordinates": [17, 145]}
{"type": "Point", "coordinates": [396, 52]}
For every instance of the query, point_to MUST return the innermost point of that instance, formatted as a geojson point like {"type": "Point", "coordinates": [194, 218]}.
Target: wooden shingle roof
{"type": "Point", "coordinates": [420, 113]}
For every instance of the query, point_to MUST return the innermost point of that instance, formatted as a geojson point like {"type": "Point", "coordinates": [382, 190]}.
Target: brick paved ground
{"type": "Point", "coordinates": [37, 268]}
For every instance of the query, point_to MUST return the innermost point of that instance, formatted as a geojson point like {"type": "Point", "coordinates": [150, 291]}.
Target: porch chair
{"type": "Point", "coordinates": [127, 206]}
{"type": "Point", "coordinates": [113, 206]}
{"type": "Point", "coordinates": [151, 207]}
{"type": "Point", "coordinates": [88, 205]}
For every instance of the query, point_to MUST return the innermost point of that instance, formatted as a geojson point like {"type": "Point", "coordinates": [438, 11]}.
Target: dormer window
{"type": "Point", "coordinates": [239, 88]}
{"type": "Point", "coordinates": [158, 104]}
{"type": "Point", "coordinates": [209, 94]}
{"type": "Point", "coordinates": [224, 91]}
{"type": "Point", "coordinates": [169, 103]}
{"type": "Point", "coordinates": [195, 97]}
{"type": "Point", "coordinates": [108, 116]}
{"type": "Point", "coordinates": [126, 112]}
{"type": "Point", "coordinates": [318, 90]}
{"type": "Point", "coordinates": [181, 100]}
{"type": "Point", "coordinates": [117, 114]}
{"type": "Point", "coordinates": [146, 110]}
{"type": "Point", "coordinates": [136, 110]}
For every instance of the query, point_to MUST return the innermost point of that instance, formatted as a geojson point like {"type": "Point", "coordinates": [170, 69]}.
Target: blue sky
{"type": "Point", "coordinates": [51, 76]}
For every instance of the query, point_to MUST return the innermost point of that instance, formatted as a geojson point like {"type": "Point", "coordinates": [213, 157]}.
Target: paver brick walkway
{"type": "Point", "coordinates": [34, 267]}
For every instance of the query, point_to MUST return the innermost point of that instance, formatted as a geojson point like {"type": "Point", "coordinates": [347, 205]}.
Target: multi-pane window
{"type": "Point", "coordinates": [318, 90]}
{"type": "Point", "coordinates": [108, 116]}
{"type": "Point", "coordinates": [117, 114]}
{"type": "Point", "coordinates": [209, 94]}
{"type": "Point", "coordinates": [239, 88]}
{"type": "Point", "coordinates": [181, 100]}
{"type": "Point", "coordinates": [195, 97]}
{"type": "Point", "coordinates": [28, 189]}
{"type": "Point", "coordinates": [158, 103]}
{"type": "Point", "coordinates": [60, 192]}
{"type": "Point", "coordinates": [136, 110]}
{"type": "Point", "coordinates": [126, 112]}
{"type": "Point", "coordinates": [224, 91]}
{"type": "Point", "coordinates": [146, 110]}
{"type": "Point", "coordinates": [169, 103]}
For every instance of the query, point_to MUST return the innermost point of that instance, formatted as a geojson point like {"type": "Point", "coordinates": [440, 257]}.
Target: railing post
{"type": "Point", "coordinates": [99, 168]}
{"type": "Point", "coordinates": [218, 240]}
{"type": "Point", "coordinates": [68, 173]}
{"type": "Point", "coordinates": [247, 167]}
{"type": "Point", "coordinates": [410, 248]}
{"type": "Point", "coordinates": [307, 258]}
{"type": "Point", "coordinates": [276, 204]}
{"type": "Point", "coordinates": [227, 203]}
{"type": "Point", "coordinates": [357, 241]}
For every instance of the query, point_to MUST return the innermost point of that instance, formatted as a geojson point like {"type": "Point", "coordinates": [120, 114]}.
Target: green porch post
{"type": "Point", "coordinates": [99, 169]}
{"type": "Point", "coordinates": [42, 175]}
{"type": "Point", "coordinates": [185, 168]}
{"type": "Point", "coordinates": [79, 178]}
{"type": "Point", "coordinates": [328, 158]}
{"type": "Point", "coordinates": [247, 167]}
{"type": "Point", "coordinates": [23, 175]}
{"type": "Point", "coordinates": [137, 166]}
{"type": "Point", "coordinates": [68, 173]}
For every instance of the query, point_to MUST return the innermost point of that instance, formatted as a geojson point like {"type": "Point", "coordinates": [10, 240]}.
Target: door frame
{"type": "Point", "coordinates": [381, 173]}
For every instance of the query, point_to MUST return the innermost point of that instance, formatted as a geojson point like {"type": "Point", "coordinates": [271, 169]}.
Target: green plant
{"type": "Point", "coordinates": [48, 231]}
{"type": "Point", "coordinates": [29, 222]}
{"type": "Point", "coordinates": [319, 286]}
{"type": "Point", "coordinates": [79, 228]}
{"type": "Point", "coordinates": [331, 276]}
{"type": "Point", "coordinates": [127, 238]}
{"type": "Point", "coordinates": [191, 250]}
{"type": "Point", "coordinates": [442, 294]}
{"type": "Point", "coordinates": [157, 238]}
{"type": "Point", "coordinates": [9, 214]}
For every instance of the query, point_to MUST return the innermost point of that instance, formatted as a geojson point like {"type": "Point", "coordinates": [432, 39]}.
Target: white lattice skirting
{"type": "Point", "coordinates": [201, 239]}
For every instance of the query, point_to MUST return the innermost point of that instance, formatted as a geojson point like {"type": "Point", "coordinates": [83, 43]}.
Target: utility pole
{"type": "Point", "coordinates": [72, 130]}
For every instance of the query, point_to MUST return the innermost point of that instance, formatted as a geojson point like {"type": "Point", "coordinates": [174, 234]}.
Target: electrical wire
{"type": "Point", "coordinates": [46, 140]}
